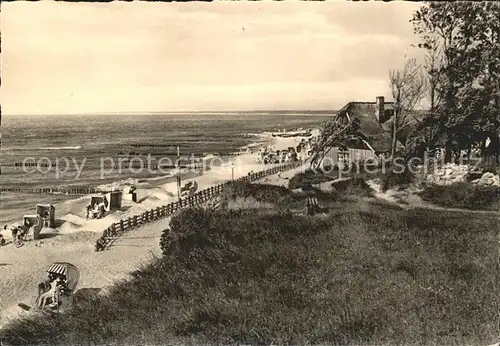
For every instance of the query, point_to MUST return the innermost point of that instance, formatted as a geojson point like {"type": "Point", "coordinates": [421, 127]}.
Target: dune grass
{"type": "Point", "coordinates": [463, 195]}
{"type": "Point", "coordinates": [358, 276]}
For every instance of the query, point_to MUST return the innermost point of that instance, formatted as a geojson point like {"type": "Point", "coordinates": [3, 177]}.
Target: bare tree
{"type": "Point", "coordinates": [432, 66]}
{"type": "Point", "coordinates": [408, 88]}
{"type": "Point", "coordinates": [335, 134]}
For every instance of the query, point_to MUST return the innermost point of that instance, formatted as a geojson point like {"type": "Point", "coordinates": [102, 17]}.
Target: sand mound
{"type": "Point", "coordinates": [99, 225]}
{"type": "Point", "coordinates": [74, 219]}
{"type": "Point", "coordinates": [152, 203]}
{"type": "Point", "coordinates": [69, 227]}
{"type": "Point", "coordinates": [161, 194]}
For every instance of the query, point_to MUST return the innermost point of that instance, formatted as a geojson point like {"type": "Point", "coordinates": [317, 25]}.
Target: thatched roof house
{"type": "Point", "coordinates": [375, 123]}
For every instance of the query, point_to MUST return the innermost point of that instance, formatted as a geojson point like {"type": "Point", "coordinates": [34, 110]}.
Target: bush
{"type": "Point", "coordinates": [308, 178]}
{"type": "Point", "coordinates": [261, 192]}
{"type": "Point", "coordinates": [188, 224]}
{"type": "Point", "coordinates": [397, 176]}
{"type": "Point", "coordinates": [355, 186]}
{"type": "Point", "coordinates": [463, 195]}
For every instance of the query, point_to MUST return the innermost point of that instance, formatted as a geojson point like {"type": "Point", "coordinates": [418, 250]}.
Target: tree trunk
{"type": "Point", "coordinates": [448, 151]}
{"type": "Point", "coordinates": [394, 133]}
{"type": "Point", "coordinates": [497, 150]}
{"type": "Point", "coordinates": [483, 147]}
{"type": "Point", "coordinates": [393, 145]}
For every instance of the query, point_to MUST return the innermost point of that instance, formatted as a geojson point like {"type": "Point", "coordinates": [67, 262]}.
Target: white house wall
{"type": "Point", "coordinates": [332, 156]}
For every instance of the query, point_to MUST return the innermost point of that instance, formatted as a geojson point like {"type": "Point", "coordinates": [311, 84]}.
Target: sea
{"type": "Point", "coordinates": [85, 147]}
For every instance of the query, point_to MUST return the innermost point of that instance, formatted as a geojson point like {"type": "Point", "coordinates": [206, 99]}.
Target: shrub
{"type": "Point", "coordinates": [309, 178]}
{"type": "Point", "coordinates": [187, 225]}
{"type": "Point", "coordinates": [355, 186]}
{"type": "Point", "coordinates": [463, 195]}
{"type": "Point", "coordinates": [397, 176]}
{"type": "Point", "coordinates": [261, 192]}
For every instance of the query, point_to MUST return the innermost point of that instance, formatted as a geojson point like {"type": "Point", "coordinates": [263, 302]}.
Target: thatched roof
{"type": "Point", "coordinates": [413, 119]}
{"type": "Point", "coordinates": [378, 137]}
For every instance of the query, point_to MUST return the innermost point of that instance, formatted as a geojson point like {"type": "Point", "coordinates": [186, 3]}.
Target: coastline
{"type": "Point", "coordinates": [18, 204]}
{"type": "Point", "coordinates": [74, 239]}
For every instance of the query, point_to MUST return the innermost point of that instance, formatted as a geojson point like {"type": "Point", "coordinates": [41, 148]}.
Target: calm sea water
{"type": "Point", "coordinates": [88, 139]}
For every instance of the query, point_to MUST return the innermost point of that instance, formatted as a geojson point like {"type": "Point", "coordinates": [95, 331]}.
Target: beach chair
{"type": "Point", "coordinates": [189, 189]}
{"type": "Point", "coordinates": [70, 276]}
{"type": "Point", "coordinates": [47, 213]}
{"type": "Point", "coordinates": [312, 205]}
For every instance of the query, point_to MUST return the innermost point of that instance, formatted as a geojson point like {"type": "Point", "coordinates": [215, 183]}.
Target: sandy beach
{"type": "Point", "coordinates": [73, 241]}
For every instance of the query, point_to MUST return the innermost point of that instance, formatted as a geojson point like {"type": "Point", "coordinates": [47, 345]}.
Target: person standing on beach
{"type": "Point", "coordinates": [14, 229]}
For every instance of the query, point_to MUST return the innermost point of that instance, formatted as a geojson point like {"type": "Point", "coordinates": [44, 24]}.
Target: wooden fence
{"type": "Point", "coordinates": [117, 229]}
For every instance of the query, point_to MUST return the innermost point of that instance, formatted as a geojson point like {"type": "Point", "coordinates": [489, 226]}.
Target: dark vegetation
{"type": "Point", "coordinates": [312, 177]}
{"type": "Point", "coordinates": [357, 171]}
{"type": "Point", "coordinates": [372, 275]}
{"type": "Point", "coordinates": [463, 195]}
{"type": "Point", "coordinates": [484, 166]}
{"type": "Point", "coordinates": [280, 197]}
{"type": "Point", "coordinates": [262, 192]}
{"type": "Point", "coordinates": [356, 186]}
{"type": "Point", "coordinates": [400, 177]}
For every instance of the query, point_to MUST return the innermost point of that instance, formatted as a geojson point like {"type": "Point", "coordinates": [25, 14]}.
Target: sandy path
{"type": "Point", "coordinates": [282, 178]}
{"type": "Point", "coordinates": [22, 268]}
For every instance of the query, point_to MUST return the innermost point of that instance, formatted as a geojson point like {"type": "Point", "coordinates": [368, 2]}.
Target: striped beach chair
{"type": "Point", "coordinates": [312, 205]}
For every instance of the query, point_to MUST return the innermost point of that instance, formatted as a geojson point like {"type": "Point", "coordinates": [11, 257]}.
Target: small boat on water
{"type": "Point", "coordinates": [297, 133]}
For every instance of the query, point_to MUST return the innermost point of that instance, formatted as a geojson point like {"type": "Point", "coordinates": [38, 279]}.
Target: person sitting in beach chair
{"type": "Point", "coordinates": [52, 295]}
{"type": "Point", "coordinates": [89, 212]}
{"type": "Point", "coordinates": [100, 210]}
{"type": "Point", "coordinates": [95, 211]}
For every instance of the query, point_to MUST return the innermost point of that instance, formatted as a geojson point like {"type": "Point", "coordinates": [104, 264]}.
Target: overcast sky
{"type": "Point", "coordinates": [63, 58]}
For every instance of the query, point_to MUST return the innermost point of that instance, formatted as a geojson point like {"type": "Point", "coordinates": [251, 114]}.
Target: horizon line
{"type": "Point", "coordinates": [294, 111]}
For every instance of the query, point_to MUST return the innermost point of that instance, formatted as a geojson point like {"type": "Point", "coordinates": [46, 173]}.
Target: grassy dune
{"type": "Point", "coordinates": [363, 274]}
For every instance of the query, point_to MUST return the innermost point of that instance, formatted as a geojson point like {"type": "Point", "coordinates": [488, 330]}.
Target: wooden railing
{"type": "Point", "coordinates": [118, 228]}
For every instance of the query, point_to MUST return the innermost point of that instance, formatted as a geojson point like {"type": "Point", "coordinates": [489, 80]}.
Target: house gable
{"type": "Point", "coordinates": [366, 112]}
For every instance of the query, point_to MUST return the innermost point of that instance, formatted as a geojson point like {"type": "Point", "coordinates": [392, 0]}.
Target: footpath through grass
{"type": "Point", "coordinates": [370, 275]}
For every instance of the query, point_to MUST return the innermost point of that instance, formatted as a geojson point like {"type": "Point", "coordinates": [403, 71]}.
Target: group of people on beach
{"type": "Point", "coordinates": [96, 211]}
{"type": "Point", "coordinates": [18, 233]}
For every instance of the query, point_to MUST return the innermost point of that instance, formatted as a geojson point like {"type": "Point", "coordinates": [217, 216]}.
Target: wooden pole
{"type": "Point", "coordinates": [178, 174]}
